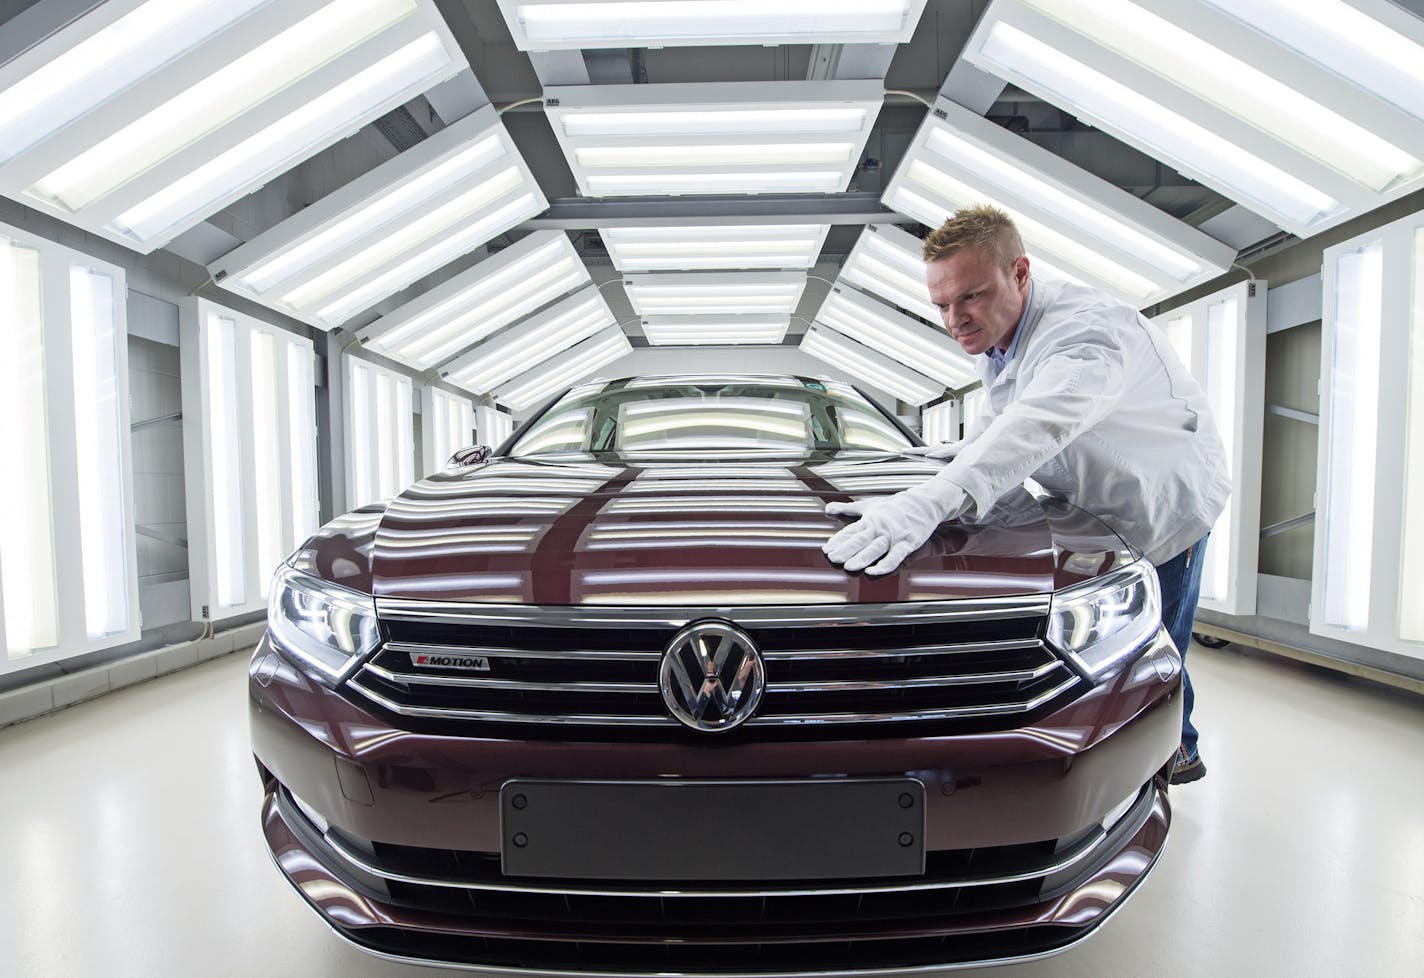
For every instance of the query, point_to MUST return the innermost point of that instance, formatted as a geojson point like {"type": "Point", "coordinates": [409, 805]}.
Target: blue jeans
{"type": "Point", "coordinates": [1180, 579]}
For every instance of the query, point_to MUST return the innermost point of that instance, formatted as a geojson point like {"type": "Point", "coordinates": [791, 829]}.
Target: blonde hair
{"type": "Point", "coordinates": [984, 227]}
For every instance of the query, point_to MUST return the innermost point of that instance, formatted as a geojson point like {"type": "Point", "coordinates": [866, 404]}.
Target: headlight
{"type": "Point", "coordinates": [1101, 624]}
{"type": "Point", "coordinates": [324, 626]}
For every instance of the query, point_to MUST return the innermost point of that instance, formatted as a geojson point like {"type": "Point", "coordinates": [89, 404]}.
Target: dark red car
{"type": "Point", "coordinates": [599, 704]}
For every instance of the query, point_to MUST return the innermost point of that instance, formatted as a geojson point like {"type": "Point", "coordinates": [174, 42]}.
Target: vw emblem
{"type": "Point", "coordinates": [712, 676]}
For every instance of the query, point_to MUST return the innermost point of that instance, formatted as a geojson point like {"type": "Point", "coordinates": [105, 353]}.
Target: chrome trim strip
{"type": "Point", "coordinates": [1084, 850]}
{"type": "Point", "coordinates": [414, 679]}
{"type": "Point", "coordinates": [970, 679]}
{"type": "Point", "coordinates": [596, 616]}
{"type": "Point", "coordinates": [967, 648]}
{"type": "Point", "coordinates": [951, 713]}
{"type": "Point", "coordinates": [496, 716]}
{"type": "Point", "coordinates": [512, 653]}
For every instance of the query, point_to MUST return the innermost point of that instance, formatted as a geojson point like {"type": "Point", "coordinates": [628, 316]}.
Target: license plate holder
{"type": "Point", "coordinates": [713, 830]}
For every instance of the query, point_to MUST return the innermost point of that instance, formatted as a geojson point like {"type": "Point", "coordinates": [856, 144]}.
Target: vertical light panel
{"type": "Point", "coordinates": [1221, 340]}
{"type": "Point", "coordinates": [974, 403]}
{"type": "Point", "coordinates": [1366, 580]}
{"type": "Point", "coordinates": [380, 445]}
{"type": "Point", "coordinates": [1411, 577]}
{"type": "Point", "coordinates": [68, 568]}
{"type": "Point", "coordinates": [99, 444]}
{"type": "Point", "coordinates": [1354, 405]}
{"type": "Point", "coordinates": [28, 600]}
{"type": "Point", "coordinates": [265, 459]}
{"type": "Point", "coordinates": [492, 427]}
{"type": "Point", "coordinates": [301, 431]}
{"type": "Point", "coordinates": [226, 441]}
{"type": "Point", "coordinates": [448, 425]}
{"type": "Point", "coordinates": [940, 422]}
{"type": "Point", "coordinates": [250, 444]}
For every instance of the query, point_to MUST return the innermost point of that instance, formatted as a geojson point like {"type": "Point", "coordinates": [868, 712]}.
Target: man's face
{"type": "Point", "coordinates": [979, 299]}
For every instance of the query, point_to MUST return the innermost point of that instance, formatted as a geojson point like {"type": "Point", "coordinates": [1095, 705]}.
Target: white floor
{"type": "Point", "coordinates": [129, 842]}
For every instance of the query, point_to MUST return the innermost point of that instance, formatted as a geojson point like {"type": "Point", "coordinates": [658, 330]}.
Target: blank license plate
{"type": "Point", "coordinates": [713, 830]}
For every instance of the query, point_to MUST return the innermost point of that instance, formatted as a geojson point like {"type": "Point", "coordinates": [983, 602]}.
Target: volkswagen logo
{"type": "Point", "coordinates": [712, 676]}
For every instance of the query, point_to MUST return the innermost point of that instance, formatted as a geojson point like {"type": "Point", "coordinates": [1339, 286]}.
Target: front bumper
{"type": "Point", "coordinates": [1017, 865]}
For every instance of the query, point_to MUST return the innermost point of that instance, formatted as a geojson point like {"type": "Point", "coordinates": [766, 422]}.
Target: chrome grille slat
{"type": "Point", "coordinates": [598, 667]}
{"type": "Point", "coordinates": [963, 648]}
{"type": "Point", "coordinates": [968, 679]}
{"type": "Point", "coordinates": [512, 653]}
{"type": "Point", "coordinates": [497, 716]}
{"type": "Point", "coordinates": [476, 682]}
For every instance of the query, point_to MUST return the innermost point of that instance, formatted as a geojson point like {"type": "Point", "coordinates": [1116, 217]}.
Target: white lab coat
{"type": "Point", "coordinates": [1097, 409]}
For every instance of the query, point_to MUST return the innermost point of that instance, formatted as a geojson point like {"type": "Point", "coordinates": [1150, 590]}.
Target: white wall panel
{"type": "Point", "coordinates": [380, 432]}
{"type": "Point", "coordinates": [249, 440]}
{"type": "Point", "coordinates": [68, 566]}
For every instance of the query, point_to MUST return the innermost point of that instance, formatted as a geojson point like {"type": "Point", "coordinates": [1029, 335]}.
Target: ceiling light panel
{"type": "Point", "coordinates": [1279, 131]}
{"type": "Point", "coordinates": [863, 363]}
{"type": "Point", "coordinates": [523, 346]}
{"type": "Point", "coordinates": [734, 137]}
{"type": "Point", "coordinates": [1097, 232]}
{"type": "Point", "coordinates": [141, 118]}
{"type": "Point", "coordinates": [440, 199]}
{"type": "Point", "coordinates": [547, 25]}
{"type": "Point", "coordinates": [479, 301]}
{"type": "Point", "coordinates": [714, 330]}
{"type": "Point", "coordinates": [715, 293]}
{"type": "Point", "coordinates": [560, 372]}
{"type": "Point", "coordinates": [889, 262]}
{"type": "Point", "coordinates": [927, 349]}
{"type": "Point", "coordinates": [692, 248]}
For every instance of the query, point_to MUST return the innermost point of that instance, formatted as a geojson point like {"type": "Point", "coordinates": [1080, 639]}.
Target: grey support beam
{"type": "Point", "coordinates": [457, 97]}
{"type": "Point", "coordinates": [559, 67]}
{"type": "Point", "coordinates": [974, 89]}
{"type": "Point", "coordinates": [1295, 304]}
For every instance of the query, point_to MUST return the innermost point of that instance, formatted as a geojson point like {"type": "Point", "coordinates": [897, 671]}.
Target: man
{"type": "Point", "coordinates": [1085, 396]}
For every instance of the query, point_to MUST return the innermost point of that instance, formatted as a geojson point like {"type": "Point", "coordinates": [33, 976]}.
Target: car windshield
{"type": "Point", "coordinates": [711, 415]}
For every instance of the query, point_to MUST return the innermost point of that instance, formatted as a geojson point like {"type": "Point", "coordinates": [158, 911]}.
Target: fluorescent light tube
{"type": "Point", "coordinates": [28, 586]}
{"type": "Point", "coordinates": [107, 62]}
{"type": "Point", "coordinates": [1346, 39]}
{"type": "Point", "coordinates": [930, 351]}
{"type": "Point", "coordinates": [675, 121]}
{"type": "Point", "coordinates": [559, 372]}
{"type": "Point", "coordinates": [1348, 518]}
{"type": "Point", "coordinates": [1169, 135]}
{"type": "Point", "coordinates": [731, 137]}
{"type": "Point", "coordinates": [266, 464]}
{"type": "Point", "coordinates": [694, 293]}
{"type": "Point", "coordinates": [646, 249]}
{"type": "Point", "coordinates": [526, 344]}
{"type": "Point", "coordinates": [865, 364]}
{"type": "Point", "coordinates": [375, 212]}
{"type": "Point", "coordinates": [760, 154]}
{"type": "Point", "coordinates": [888, 262]}
{"type": "Point", "coordinates": [616, 23]}
{"type": "Point", "coordinates": [479, 301]}
{"type": "Point", "coordinates": [225, 440]}
{"type": "Point", "coordinates": [339, 109]}
{"type": "Point", "coordinates": [433, 224]}
{"type": "Point", "coordinates": [230, 91]}
{"type": "Point", "coordinates": [1236, 87]}
{"type": "Point", "coordinates": [438, 254]}
{"type": "Point", "coordinates": [714, 330]}
{"type": "Point", "coordinates": [1411, 568]}
{"type": "Point", "coordinates": [301, 420]}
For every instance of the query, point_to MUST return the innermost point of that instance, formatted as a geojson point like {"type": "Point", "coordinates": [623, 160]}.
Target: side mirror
{"type": "Point", "coordinates": [470, 455]}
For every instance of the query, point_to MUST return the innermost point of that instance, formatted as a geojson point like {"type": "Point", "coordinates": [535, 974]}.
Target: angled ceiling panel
{"type": "Point", "coordinates": [564, 369]}
{"type": "Point", "coordinates": [547, 25]}
{"type": "Point", "coordinates": [1306, 118]}
{"type": "Point", "coordinates": [1077, 222]}
{"type": "Point", "coordinates": [706, 248]}
{"type": "Point", "coordinates": [438, 200]}
{"type": "Point", "coordinates": [722, 138]}
{"type": "Point", "coordinates": [140, 119]}
{"type": "Point", "coordinates": [723, 293]}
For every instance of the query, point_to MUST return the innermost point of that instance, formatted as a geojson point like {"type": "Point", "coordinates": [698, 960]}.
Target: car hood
{"type": "Point", "coordinates": [653, 530]}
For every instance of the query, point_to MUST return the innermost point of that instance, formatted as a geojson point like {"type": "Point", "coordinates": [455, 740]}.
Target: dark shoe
{"type": "Point", "coordinates": [1187, 769]}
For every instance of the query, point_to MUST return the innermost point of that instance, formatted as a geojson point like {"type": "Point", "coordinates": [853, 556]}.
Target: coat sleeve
{"type": "Point", "coordinates": [1075, 381]}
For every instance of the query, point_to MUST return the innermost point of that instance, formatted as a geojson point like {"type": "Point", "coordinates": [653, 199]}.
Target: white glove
{"type": "Point", "coordinates": [944, 450]}
{"type": "Point", "coordinates": [892, 527]}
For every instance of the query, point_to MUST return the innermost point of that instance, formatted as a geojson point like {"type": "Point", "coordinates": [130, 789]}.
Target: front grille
{"type": "Point", "coordinates": [599, 667]}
